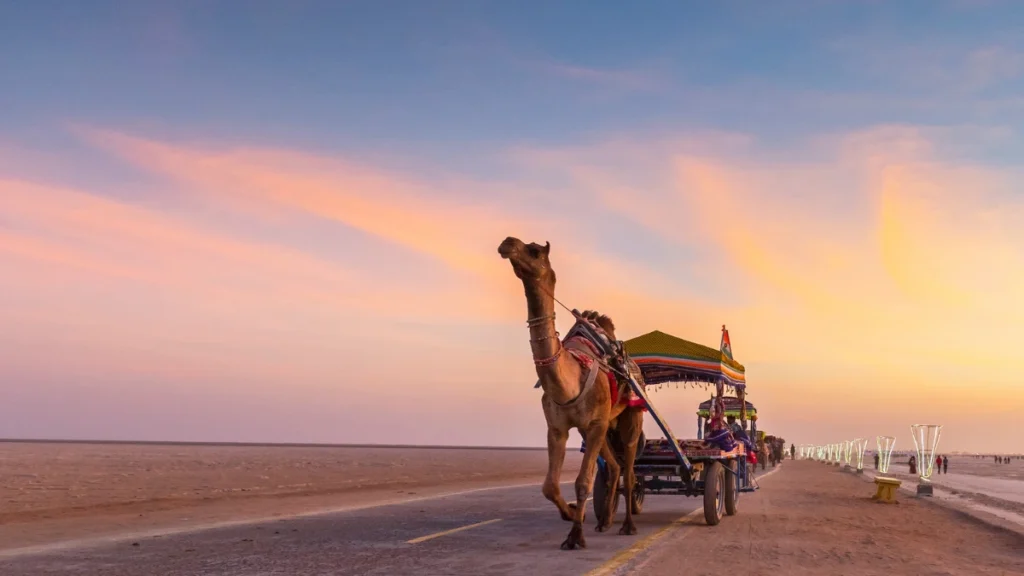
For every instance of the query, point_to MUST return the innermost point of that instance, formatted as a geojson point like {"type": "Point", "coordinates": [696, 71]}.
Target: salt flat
{"type": "Point", "coordinates": [1000, 488]}
{"type": "Point", "coordinates": [977, 483]}
{"type": "Point", "coordinates": [56, 492]}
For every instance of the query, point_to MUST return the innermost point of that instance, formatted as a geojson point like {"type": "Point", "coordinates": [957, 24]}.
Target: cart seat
{"type": "Point", "coordinates": [660, 448]}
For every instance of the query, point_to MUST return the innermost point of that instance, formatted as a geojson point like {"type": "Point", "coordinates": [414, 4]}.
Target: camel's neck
{"type": "Point", "coordinates": [545, 344]}
{"type": "Point", "coordinates": [539, 303]}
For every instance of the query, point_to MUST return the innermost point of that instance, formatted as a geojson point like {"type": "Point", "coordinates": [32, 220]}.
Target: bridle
{"type": "Point", "coordinates": [541, 321]}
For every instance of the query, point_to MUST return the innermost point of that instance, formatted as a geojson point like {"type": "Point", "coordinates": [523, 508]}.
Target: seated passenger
{"type": "Point", "coordinates": [735, 426]}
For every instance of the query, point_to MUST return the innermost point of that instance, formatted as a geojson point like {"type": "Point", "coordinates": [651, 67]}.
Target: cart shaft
{"type": "Point", "coordinates": [686, 468]}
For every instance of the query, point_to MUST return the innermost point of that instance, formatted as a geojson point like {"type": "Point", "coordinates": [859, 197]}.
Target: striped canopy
{"type": "Point", "coordinates": [664, 358]}
{"type": "Point", "coordinates": [732, 407]}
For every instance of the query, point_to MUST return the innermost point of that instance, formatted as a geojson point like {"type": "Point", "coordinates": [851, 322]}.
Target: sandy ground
{"type": "Point", "coordinates": [810, 518]}
{"type": "Point", "coordinates": [55, 492]}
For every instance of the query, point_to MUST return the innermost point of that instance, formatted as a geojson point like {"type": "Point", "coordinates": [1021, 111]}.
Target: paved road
{"type": "Point", "coordinates": [506, 531]}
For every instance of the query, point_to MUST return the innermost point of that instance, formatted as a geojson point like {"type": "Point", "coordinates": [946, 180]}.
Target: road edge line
{"type": "Point", "coordinates": [452, 531]}
{"type": "Point", "coordinates": [617, 562]}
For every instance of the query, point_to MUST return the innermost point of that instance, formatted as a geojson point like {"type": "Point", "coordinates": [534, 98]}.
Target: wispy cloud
{"type": "Point", "coordinates": [871, 249]}
{"type": "Point", "coordinates": [619, 79]}
{"type": "Point", "coordinates": [388, 207]}
{"type": "Point", "coordinates": [960, 67]}
{"type": "Point", "coordinates": [992, 65]}
{"type": "Point", "coordinates": [631, 78]}
{"type": "Point", "coordinates": [81, 228]}
{"type": "Point", "coordinates": [415, 215]}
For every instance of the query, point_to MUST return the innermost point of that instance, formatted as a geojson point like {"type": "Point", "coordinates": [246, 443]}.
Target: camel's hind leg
{"type": "Point", "coordinates": [552, 487]}
{"type": "Point", "coordinates": [612, 464]}
{"type": "Point", "coordinates": [630, 425]}
{"type": "Point", "coordinates": [595, 435]}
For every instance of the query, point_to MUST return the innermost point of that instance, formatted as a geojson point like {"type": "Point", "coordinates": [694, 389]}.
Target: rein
{"type": "Point", "coordinates": [595, 355]}
{"type": "Point", "coordinates": [533, 322]}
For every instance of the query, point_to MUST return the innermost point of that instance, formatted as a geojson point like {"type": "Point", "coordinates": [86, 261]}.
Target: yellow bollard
{"type": "Point", "coordinates": [887, 488]}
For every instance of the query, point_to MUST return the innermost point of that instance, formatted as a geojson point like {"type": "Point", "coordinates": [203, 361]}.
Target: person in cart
{"type": "Point", "coordinates": [734, 426]}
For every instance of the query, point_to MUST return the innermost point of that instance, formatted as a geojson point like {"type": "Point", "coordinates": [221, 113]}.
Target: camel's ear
{"type": "Point", "coordinates": [547, 248]}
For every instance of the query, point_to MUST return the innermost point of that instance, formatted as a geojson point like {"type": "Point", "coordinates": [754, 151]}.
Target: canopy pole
{"type": "Point", "coordinates": [741, 394]}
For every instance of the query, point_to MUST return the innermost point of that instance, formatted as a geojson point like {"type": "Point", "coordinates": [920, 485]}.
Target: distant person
{"type": "Point", "coordinates": [734, 426]}
{"type": "Point", "coordinates": [945, 464]}
{"type": "Point", "coordinates": [913, 464]}
{"type": "Point", "coordinates": [876, 460]}
{"type": "Point", "coordinates": [792, 452]}
{"type": "Point", "coordinates": [938, 464]}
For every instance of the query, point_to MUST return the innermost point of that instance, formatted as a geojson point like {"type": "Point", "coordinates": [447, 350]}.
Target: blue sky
{"type": "Point", "coordinates": [445, 76]}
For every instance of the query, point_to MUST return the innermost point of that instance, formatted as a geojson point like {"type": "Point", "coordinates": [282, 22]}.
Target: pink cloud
{"type": "Point", "coordinates": [385, 206]}
{"type": "Point", "coordinates": [80, 229]}
{"type": "Point", "coordinates": [881, 246]}
{"type": "Point", "coordinates": [414, 215]}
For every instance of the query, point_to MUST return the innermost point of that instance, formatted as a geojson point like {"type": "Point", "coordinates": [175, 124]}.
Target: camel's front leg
{"type": "Point", "coordinates": [552, 487]}
{"type": "Point", "coordinates": [612, 465]}
{"type": "Point", "coordinates": [595, 435]}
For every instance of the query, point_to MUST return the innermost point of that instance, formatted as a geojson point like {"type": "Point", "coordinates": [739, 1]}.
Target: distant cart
{"type": "Point", "coordinates": [713, 466]}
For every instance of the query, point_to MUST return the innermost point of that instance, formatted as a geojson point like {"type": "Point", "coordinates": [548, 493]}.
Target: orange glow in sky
{"type": "Point", "coordinates": [247, 262]}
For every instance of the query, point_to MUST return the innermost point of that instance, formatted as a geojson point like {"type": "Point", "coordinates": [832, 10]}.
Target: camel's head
{"type": "Point", "coordinates": [529, 261]}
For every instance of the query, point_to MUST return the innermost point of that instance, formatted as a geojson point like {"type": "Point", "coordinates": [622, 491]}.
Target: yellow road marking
{"type": "Point", "coordinates": [452, 531]}
{"type": "Point", "coordinates": [620, 559]}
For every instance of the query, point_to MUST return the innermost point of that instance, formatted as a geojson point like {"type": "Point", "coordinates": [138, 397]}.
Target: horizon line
{"type": "Point", "coordinates": [262, 444]}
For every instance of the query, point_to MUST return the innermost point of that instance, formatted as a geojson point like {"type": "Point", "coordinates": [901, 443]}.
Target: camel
{"type": "Point", "coordinates": [780, 450]}
{"type": "Point", "coordinates": [574, 397]}
{"type": "Point", "coordinates": [775, 447]}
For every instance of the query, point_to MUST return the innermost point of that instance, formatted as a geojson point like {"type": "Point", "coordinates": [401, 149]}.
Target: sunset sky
{"type": "Point", "coordinates": [278, 221]}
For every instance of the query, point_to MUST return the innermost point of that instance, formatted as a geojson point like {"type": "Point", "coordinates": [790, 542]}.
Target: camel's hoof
{"type": "Point", "coordinates": [570, 544]}
{"type": "Point", "coordinates": [575, 540]}
{"type": "Point", "coordinates": [570, 516]}
{"type": "Point", "coordinates": [603, 527]}
{"type": "Point", "coordinates": [627, 530]}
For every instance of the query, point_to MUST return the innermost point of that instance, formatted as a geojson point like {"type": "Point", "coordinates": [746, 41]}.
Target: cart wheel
{"type": "Point", "coordinates": [732, 488]}
{"type": "Point", "coordinates": [601, 493]}
{"type": "Point", "coordinates": [638, 495]}
{"type": "Point", "coordinates": [714, 499]}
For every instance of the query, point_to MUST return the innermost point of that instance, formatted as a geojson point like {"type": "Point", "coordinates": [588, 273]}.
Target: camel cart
{"type": "Point", "coordinates": [732, 408]}
{"type": "Point", "coordinates": [714, 466]}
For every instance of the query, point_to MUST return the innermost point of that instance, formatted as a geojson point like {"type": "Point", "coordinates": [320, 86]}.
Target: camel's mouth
{"type": "Point", "coordinates": [509, 248]}
{"type": "Point", "coordinates": [529, 261]}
